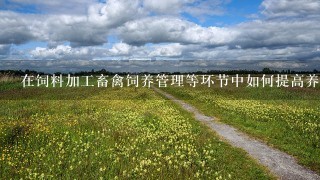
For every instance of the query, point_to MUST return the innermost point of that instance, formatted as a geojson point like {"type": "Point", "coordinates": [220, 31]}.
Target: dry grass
{"type": "Point", "coordinates": [9, 78]}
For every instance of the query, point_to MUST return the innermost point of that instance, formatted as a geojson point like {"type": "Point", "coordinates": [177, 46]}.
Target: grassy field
{"type": "Point", "coordinates": [105, 133]}
{"type": "Point", "coordinates": [286, 118]}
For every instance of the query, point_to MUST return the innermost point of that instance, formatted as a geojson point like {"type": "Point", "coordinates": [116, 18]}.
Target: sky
{"type": "Point", "coordinates": [159, 30]}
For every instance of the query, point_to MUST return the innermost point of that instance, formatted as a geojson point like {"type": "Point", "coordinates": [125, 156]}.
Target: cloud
{"type": "Point", "coordinates": [263, 53]}
{"type": "Point", "coordinates": [156, 66]}
{"type": "Point", "coordinates": [277, 33]}
{"type": "Point", "coordinates": [166, 6]}
{"type": "Point", "coordinates": [283, 64]}
{"type": "Point", "coordinates": [90, 29]}
{"type": "Point", "coordinates": [114, 13]}
{"type": "Point", "coordinates": [4, 49]}
{"type": "Point", "coordinates": [121, 49]}
{"type": "Point", "coordinates": [18, 29]}
{"type": "Point", "coordinates": [169, 50]}
{"type": "Point", "coordinates": [290, 8]}
{"type": "Point", "coordinates": [14, 29]}
{"type": "Point", "coordinates": [76, 30]}
{"type": "Point", "coordinates": [175, 30]}
{"type": "Point", "coordinates": [201, 9]}
{"type": "Point", "coordinates": [157, 29]}
{"type": "Point", "coordinates": [93, 28]}
{"type": "Point", "coordinates": [51, 7]}
{"type": "Point", "coordinates": [196, 8]}
{"type": "Point", "coordinates": [61, 52]}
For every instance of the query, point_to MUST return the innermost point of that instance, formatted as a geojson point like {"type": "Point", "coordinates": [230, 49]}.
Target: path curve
{"type": "Point", "coordinates": [279, 163]}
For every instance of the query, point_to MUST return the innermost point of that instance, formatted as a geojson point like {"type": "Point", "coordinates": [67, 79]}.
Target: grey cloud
{"type": "Point", "coordinates": [165, 6]}
{"type": "Point", "coordinates": [277, 33]}
{"type": "Point", "coordinates": [90, 29]}
{"type": "Point", "coordinates": [14, 29]}
{"type": "Point", "coordinates": [274, 33]}
{"type": "Point", "coordinates": [52, 7]}
{"type": "Point", "coordinates": [18, 29]}
{"type": "Point", "coordinates": [175, 7]}
{"type": "Point", "coordinates": [274, 37]}
{"type": "Point", "coordinates": [196, 8]}
{"type": "Point", "coordinates": [170, 29]}
{"type": "Point", "coordinates": [53, 44]}
{"type": "Point", "coordinates": [201, 9]}
{"type": "Point", "coordinates": [4, 49]}
{"type": "Point", "coordinates": [255, 34]}
{"type": "Point", "coordinates": [77, 31]}
{"type": "Point", "coordinates": [122, 51]}
{"type": "Point", "coordinates": [289, 53]}
{"type": "Point", "coordinates": [290, 8]}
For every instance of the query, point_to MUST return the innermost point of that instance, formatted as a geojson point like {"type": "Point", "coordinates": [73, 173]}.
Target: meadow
{"type": "Point", "coordinates": [111, 133]}
{"type": "Point", "coordinates": [285, 118]}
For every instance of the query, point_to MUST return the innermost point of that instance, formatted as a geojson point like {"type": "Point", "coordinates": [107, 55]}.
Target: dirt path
{"type": "Point", "coordinates": [279, 163]}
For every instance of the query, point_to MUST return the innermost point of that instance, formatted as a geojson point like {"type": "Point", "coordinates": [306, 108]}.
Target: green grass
{"type": "Point", "coordinates": [286, 118]}
{"type": "Point", "coordinates": [110, 133]}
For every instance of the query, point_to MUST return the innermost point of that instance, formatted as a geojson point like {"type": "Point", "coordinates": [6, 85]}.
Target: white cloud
{"type": "Point", "coordinates": [169, 50]}
{"type": "Point", "coordinates": [61, 52]}
{"type": "Point", "coordinates": [121, 49]}
{"type": "Point", "coordinates": [114, 12]}
{"type": "Point", "coordinates": [174, 51]}
{"type": "Point", "coordinates": [282, 64]}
